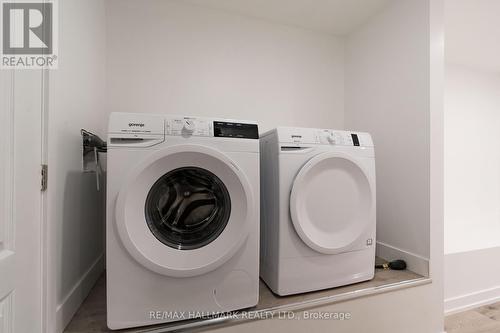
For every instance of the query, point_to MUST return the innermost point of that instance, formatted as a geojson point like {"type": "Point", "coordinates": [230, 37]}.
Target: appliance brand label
{"type": "Point", "coordinates": [136, 125]}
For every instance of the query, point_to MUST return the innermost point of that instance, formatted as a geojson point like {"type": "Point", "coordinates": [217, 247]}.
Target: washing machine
{"type": "Point", "coordinates": [318, 214]}
{"type": "Point", "coordinates": [182, 218]}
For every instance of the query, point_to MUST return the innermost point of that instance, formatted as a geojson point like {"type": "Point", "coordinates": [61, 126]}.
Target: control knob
{"type": "Point", "coordinates": [189, 125]}
{"type": "Point", "coordinates": [329, 137]}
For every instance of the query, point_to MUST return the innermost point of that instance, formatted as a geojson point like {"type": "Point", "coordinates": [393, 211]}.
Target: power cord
{"type": "Point", "coordinates": [397, 265]}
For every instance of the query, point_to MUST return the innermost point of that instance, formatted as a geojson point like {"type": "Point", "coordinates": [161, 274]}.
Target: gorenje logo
{"type": "Point", "coordinates": [135, 125]}
{"type": "Point", "coordinates": [29, 34]}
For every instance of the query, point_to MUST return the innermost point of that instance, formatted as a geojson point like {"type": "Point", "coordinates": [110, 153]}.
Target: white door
{"type": "Point", "coordinates": [332, 202]}
{"type": "Point", "coordinates": [20, 201]}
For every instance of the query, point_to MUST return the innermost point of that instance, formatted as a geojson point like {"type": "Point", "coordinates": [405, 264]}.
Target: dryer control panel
{"type": "Point", "coordinates": [323, 136]}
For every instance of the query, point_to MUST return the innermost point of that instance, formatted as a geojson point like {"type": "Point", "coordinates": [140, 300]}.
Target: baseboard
{"type": "Point", "coordinates": [66, 310]}
{"type": "Point", "coordinates": [471, 279]}
{"type": "Point", "coordinates": [415, 262]}
{"type": "Point", "coordinates": [471, 300]}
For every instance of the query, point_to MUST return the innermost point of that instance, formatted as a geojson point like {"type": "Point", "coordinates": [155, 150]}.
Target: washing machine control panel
{"type": "Point", "coordinates": [194, 126]}
{"type": "Point", "coordinates": [225, 129]}
{"type": "Point", "coordinates": [188, 126]}
{"type": "Point", "coordinates": [324, 136]}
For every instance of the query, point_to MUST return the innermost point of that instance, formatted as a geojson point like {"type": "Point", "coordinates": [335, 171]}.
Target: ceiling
{"type": "Point", "coordinates": [472, 33]}
{"type": "Point", "coordinates": [336, 17]}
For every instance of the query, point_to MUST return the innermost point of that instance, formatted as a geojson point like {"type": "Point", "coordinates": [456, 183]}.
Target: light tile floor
{"type": "Point", "coordinates": [485, 319]}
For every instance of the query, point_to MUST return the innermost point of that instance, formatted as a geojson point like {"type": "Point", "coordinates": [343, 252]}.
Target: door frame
{"type": "Point", "coordinates": [7, 192]}
{"type": "Point", "coordinates": [48, 286]}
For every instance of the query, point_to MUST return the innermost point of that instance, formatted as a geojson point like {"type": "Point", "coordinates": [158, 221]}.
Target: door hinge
{"type": "Point", "coordinates": [45, 171]}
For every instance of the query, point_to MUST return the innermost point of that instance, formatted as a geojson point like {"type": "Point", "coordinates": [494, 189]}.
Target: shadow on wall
{"type": "Point", "coordinates": [83, 233]}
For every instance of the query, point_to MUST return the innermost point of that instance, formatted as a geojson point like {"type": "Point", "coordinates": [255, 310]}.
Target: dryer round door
{"type": "Point", "coordinates": [332, 202]}
{"type": "Point", "coordinates": [184, 211]}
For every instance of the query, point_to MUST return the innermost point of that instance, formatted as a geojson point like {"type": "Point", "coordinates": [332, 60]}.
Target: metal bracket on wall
{"type": "Point", "coordinates": [92, 146]}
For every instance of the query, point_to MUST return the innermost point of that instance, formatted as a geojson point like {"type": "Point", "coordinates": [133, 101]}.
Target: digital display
{"type": "Point", "coordinates": [355, 139]}
{"type": "Point", "coordinates": [236, 130]}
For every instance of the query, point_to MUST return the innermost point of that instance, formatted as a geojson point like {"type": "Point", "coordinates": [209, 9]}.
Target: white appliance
{"type": "Point", "coordinates": [182, 218]}
{"type": "Point", "coordinates": [317, 209]}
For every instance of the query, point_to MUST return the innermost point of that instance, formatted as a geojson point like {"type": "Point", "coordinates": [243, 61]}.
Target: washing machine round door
{"type": "Point", "coordinates": [184, 211]}
{"type": "Point", "coordinates": [332, 202]}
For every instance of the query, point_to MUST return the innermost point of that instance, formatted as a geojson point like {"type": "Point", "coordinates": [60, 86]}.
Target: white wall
{"type": "Point", "coordinates": [394, 89]}
{"type": "Point", "coordinates": [184, 59]}
{"type": "Point", "coordinates": [472, 187]}
{"type": "Point", "coordinates": [75, 209]}
{"type": "Point", "coordinates": [387, 94]}
{"type": "Point", "coordinates": [472, 159]}
{"type": "Point", "coordinates": [472, 33]}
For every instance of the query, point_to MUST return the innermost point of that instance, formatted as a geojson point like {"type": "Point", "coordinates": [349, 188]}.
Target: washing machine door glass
{"type": "Point", "coordinates": [332, 202]}
{"type": "Point", "coordinates": [185, 210]}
